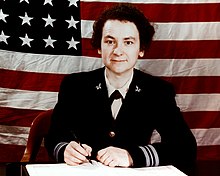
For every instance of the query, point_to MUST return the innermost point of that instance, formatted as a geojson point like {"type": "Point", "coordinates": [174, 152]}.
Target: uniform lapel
{"type": "Point", "coordinates": [100, 91]}
{"type": "Point", "coordinates": [132, 95]}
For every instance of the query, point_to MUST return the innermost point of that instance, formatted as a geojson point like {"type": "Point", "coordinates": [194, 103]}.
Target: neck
{"type": "Point", "coordinates": [118, 80]}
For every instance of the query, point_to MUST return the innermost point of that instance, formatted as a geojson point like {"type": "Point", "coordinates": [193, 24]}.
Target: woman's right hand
{"type": "Point", "coordinates": [75, 154]}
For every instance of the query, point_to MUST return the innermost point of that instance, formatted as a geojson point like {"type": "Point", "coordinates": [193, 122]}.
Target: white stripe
{"type": "Point", "coordinates": [187, 31]}
{"type": "Point", "coordinates": [43, 100]}
{"type": "Point", "coordinates": [180, 67]}
{"type": "Point", "coordinates": [86, 28]}
{"type": "Point", "coordinates": [46, 63]}
{"type": "Point", "coordinates": [198, 102]}
{"type": "Point", "coordinates": [155, 137]}
{"type": "Point", "coordinates": [23, 99]}
{"type": "Point", "coordinates": [158, 1]}
{"type": "Point", "coordinates": [205, 137]}
{"type": "Point", "coordinates": [13, 135]}
{"type": "Point", "coordinates": [173, 31]}
{"type": "Point", "coordinates": [70, 64]}
{"type": "Point", "coordinates": [18, 135]}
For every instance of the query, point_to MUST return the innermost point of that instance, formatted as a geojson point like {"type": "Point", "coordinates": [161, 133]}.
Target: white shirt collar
{"type": "Point", "coordinates": [123, 90]}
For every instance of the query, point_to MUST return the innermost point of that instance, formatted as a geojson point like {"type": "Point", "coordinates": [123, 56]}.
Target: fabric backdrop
{"type": "Point", "coordinates": [43, 40]}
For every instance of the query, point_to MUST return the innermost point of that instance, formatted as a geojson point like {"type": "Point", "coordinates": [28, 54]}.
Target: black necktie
{"type": "Point", "coordinates": [115, 95]}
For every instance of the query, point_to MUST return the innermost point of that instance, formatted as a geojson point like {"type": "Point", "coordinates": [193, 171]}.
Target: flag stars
{"type": "Point", "coordinates": [72, 22]}
{"type": "Point", "coordinates": [3, 16]}
{"type": "Point", "coordinates": [3, 37]}
{"type": "Point", "coordinates": [26, 19]}
{"type": "Point", "coordinates": [49, 42]}
{"type": "Point", "coordinates": [48, 2]}
{"type": "Point", "coordinates": [72, 43]}
{"type": "Point", "coordinates": [26, 40]}
{"type": "Point", "coordinates": [46, 22]}
{"type": "Point", "coordinates": [49, 21]}
{"type": "Point", "coordinates": [73, 2]}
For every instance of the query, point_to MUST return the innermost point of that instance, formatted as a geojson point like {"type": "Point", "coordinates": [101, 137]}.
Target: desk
{"type": "Point", "coordinates": [204, 168]}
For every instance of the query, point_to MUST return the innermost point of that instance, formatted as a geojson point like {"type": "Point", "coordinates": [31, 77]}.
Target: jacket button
{"type": "Point", "coordinates": [112, 134]}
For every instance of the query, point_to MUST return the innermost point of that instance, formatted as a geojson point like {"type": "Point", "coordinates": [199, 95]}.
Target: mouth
{"type": "Point", "coordinates": [118, 60]}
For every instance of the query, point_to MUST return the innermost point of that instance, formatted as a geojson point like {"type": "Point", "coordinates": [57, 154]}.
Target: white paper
{"type": "Point", "coordinates": [98, 169]}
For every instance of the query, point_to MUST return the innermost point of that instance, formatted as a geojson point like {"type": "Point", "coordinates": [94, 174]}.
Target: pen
{"type": "Point", "coordinates": [78, 141]}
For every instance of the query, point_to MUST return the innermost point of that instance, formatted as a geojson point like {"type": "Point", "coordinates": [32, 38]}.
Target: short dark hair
{"type": "Point", "coordinates": [124, 12]}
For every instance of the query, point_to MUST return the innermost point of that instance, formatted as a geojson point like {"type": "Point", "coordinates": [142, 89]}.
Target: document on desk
{"type": "Point", "coordinates": [98, 169]}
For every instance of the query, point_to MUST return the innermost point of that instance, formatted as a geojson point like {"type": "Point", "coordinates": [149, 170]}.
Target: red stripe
{"type": "Point", "coordinates": [24, 117]}
{"type": "Point", "coordinates": [202, 119]}
{"type": "Point", "coordinates": [13, 153]}
{"type": "Point", "coordinates": [51, 82]}
{"type": "Point", "coordinates": [30, 80]}
{"type": "Point", "coordinates": [171, 49]}
{"type": "Point", "coordinates": [172, 12]}
{"type": "Point", "coordinates": [208, 152]}
{"type": "Point", "coordinates": [10, 154]}
{"type": "Point", "coordinates": [207, 167]}
{"type": "Point", "coordinates": [195, 84]}
{"type": "Point", "coordinates": [17, 117]}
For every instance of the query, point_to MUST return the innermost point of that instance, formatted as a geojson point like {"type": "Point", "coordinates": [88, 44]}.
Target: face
{"type": "Point", "coordinates": [120, 46]}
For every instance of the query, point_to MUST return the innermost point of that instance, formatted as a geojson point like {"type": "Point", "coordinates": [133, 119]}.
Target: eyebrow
{"type": "Point", "coordinates": [126, 38]}
{"type": "Point", "coordinates": [109, 36]}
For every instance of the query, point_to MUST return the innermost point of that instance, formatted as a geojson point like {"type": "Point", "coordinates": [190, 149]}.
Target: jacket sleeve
{"type": "Point", "coordinates": [59, 136]}
{"type": "Point", "coordinates": [177, 145]}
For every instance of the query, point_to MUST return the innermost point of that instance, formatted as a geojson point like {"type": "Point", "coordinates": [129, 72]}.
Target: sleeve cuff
{"type": "Point", "coordinates": [58, 152]}
{"type": "Point", "coordinates": [151, 155]}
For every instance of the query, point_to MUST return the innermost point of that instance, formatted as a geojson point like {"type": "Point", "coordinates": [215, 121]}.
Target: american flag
{"type": "Point", "coordinates": [43, 40]}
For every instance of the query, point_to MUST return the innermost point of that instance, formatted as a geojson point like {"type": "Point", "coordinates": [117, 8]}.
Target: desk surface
{"type": "Point", "coordinates": [204, 168]}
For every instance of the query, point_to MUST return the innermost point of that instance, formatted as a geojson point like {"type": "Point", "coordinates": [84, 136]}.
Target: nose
{"type": "Point", "coordinates": [118, 50]}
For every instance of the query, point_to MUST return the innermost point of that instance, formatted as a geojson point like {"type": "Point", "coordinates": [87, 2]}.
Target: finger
{"type": "Point", "coordinates": [88, 149]}
{"type": "Point", "coordinates": [74, 150]}
{"type": "Point", "coordinates": [107, 161]}
{"type": "Point", "coordinates": [79, 148]}
{"type": "Point", "coordinates": [101, 155]}
{"type": "Point", "coordinates": [71, 156]}
{"type": "Point", "coordinates": [113, 163]}
{"type": "Point", "coordinates": [102, 152]}
{"type": "Point", "coordinates": [72, 160]}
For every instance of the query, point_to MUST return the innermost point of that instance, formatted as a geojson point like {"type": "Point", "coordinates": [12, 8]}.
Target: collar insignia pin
{"type": "Point", "coordinates": [137, 89]}
{"type": "Point", "coordinates": [98, 87]}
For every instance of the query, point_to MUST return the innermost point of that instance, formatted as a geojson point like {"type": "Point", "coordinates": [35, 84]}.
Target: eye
{"type": "Point", "coordinates": [129, 42]}
{"type": "Point", "coordinates": [110, 42]}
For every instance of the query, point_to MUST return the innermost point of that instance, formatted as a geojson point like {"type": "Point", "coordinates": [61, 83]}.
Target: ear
{"type": "Point", "coordinates": [99, 51]}
{"type": "Point", "coordinates": [141, 53]}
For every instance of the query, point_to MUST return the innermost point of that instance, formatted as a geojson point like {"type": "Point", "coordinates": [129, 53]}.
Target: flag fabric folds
{"type": "Point", "coordinates": [43, 40]}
